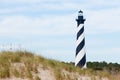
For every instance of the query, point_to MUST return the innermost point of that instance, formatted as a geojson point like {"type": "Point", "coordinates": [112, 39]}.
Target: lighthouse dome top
{"type": "Point", "coordinates": [80, 13]}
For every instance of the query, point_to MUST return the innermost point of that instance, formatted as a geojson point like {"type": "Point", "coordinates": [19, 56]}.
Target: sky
{"type": "Point", "coordinates": [48, 28]}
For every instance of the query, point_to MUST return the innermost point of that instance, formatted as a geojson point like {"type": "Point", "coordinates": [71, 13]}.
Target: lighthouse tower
{"type": "Point", "coordinates": [80, 59]}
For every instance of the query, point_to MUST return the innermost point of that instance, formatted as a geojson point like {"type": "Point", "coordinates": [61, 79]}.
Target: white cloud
{"type": "Point", "coordinates": [53, 25]}
{"type": "Point", "coordinates": [103, 21]}
{"type": "Point", "coordinates": [40, 7]}
{"type": "Point", "coordinates": [101, 17]}
{"type": "Point", "coordinates": [61, 55]}
{"type": "Point", "coordinates": [104, 54]}
{"type": "Point", "coordinates": [17, 1]}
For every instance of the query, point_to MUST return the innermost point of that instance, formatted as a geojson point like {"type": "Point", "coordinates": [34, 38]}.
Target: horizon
{"type": "Point", "coordinates": [48, 28]}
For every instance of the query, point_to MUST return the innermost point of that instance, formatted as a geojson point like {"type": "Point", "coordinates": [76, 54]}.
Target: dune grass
{"type": "Point", "coordinates": [24, 64]}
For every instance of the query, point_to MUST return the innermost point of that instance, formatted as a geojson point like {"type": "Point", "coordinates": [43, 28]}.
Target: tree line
{"type": "Point", "coordinates": [111, 67]}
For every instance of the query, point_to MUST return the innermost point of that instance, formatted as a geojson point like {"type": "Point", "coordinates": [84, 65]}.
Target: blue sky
{"type": "Point", "coordinates": [48, 28]}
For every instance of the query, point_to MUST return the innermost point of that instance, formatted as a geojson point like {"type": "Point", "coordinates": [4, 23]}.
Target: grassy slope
{"type": "Point", "coordinates": [26, 65]}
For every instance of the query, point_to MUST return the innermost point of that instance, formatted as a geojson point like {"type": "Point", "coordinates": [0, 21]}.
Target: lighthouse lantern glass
{"type": "Point", "coordinates": [80, 14]}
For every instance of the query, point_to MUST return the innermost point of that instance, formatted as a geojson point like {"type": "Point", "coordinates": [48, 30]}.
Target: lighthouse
{"type": "Point", "coordinates": [80, 58]}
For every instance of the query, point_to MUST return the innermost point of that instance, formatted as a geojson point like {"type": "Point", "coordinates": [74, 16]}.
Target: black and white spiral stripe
{"type": "Point", "coordinates": [80, 50]}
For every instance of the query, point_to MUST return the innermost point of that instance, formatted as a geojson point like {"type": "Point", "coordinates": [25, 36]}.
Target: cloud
{"type": "Point", "coordinates": [103, 21]}
{"type": "Point", "coordinates": [61, 55]}
{"type": "Point", "coordinates": [49, 26]}
{"type": "Point", "coordinates": [105, 54]}
{"type": "Point", "coordinates": [17, 1]}
{"type": "Point", "coordinates": [46, 35]}
{"type": "Point", "coordinates": [22, 25]}
{"type": "Point", "coordinates": [39, 8]}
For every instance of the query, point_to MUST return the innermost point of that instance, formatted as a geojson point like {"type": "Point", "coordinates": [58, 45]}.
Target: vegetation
{"type": "Point", "coordinates": [24, 64]}
{"type": "Point", "coordinates": [113, 68]}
